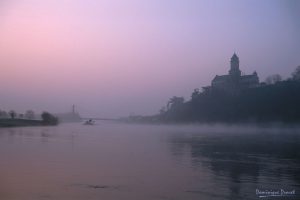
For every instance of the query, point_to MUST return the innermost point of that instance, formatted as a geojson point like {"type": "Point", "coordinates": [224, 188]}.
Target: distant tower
{"type": "Point", "coordinates": [235, 71]}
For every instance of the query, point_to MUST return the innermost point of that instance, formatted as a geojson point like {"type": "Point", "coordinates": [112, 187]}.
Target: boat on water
{"type": "Point", "coordinates": [89, 122]}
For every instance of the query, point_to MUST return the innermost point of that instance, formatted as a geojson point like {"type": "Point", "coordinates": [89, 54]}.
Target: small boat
{"type": "Point", "coordinates": [89, 122]}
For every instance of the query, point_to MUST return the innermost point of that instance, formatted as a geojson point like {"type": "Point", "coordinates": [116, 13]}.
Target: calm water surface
{"type": "Point", "coordinates": [142, 162]}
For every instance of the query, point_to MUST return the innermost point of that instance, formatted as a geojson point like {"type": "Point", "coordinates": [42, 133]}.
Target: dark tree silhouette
{"type": "Point", "coordinates": [175, 102]}
{"type": "Point", "coordinates": [12, 114]}
{"type": "Point", "coordinates": [195, 93]}
{"type": "Point", "coordinates": [296, 74]}
{"type": "Point", "coordinates": [277, 101]}
{"type": "Point", "coordinates": [267, 103]}
{"type": "Point", "coordinates": [49, 119]}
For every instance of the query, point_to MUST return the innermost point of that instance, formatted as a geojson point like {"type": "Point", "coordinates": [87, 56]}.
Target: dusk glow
{"type": "Point", "coordinates": [113, 57]}
{"type": "Point", "coordinates": [149, 99]}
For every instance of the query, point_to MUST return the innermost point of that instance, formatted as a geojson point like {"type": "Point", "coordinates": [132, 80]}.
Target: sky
{"type": "Point", "coordinates": [114, 58]}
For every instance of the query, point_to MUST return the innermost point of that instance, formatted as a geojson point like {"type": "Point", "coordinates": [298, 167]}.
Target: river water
{"type": "Point", "coordinates": [114, 161]}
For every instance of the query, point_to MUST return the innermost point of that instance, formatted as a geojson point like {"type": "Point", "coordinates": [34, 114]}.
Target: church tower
{"type": "Point", "coordinates": [235, 71]}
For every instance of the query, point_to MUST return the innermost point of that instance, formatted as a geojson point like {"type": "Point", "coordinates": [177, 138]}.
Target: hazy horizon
{"type": "Point", "coordinates": [114, 58]}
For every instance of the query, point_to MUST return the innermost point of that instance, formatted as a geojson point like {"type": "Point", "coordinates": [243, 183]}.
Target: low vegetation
{"type": "Point", "coordinates": [13, 119]}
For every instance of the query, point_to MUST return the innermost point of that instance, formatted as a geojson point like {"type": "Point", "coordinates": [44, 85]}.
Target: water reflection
{"type": "Point", "coordinates": [244, 161]}
{"type": "Point", "coordinates": [44, 134]}
{"type": "Point", "coordinates": [117, 161]}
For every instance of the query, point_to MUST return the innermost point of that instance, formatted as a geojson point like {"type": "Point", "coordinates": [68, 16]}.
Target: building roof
{"type": "Point", "coordinates": [249, 76]}
{"type": "Point", "coordinates": [221, 78]}
{"type": "Point", "coordinates": [227, 77]}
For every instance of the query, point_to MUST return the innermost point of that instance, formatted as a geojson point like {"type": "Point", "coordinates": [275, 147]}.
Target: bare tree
{"type": "Point", "coordinates": [12, 114]}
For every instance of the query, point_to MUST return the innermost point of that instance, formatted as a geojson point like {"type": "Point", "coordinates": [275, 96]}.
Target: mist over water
{"type": "Point", "coordinates": [121, 161]}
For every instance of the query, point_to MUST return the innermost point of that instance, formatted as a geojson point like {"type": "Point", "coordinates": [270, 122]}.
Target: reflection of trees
{"type": "Point", "coordinates": [246, 156]}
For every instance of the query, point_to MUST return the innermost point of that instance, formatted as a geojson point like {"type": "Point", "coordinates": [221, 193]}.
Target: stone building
{"type": "Point", "coordinates": [234, 81]}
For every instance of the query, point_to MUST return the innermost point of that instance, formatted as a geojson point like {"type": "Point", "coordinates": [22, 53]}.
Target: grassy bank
{"type": "Point", "coordinates": [20, 122]}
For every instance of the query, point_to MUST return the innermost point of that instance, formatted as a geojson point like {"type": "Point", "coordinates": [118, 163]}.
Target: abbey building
{"type": "Point", "coordinates": [234, 81]}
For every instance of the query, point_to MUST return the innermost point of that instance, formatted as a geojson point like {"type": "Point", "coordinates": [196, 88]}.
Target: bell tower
{"type": "Point", "coordinates": [235, 66]}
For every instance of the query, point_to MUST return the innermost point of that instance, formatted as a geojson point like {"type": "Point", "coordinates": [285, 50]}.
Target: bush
{"type": "Point", "coordinates": [49, 119]}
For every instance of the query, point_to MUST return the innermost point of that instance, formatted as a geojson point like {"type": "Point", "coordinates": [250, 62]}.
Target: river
{"type": "Point", "coordinates": [114, 161]}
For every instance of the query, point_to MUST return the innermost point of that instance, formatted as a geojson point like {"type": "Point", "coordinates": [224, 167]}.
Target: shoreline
{"type": "Point", "coordinates": [266, 124]}
{"type": "Point", "coordinates": [20, 123]}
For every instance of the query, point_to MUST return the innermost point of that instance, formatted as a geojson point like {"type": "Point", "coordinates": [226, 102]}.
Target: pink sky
{"type": "Point", "coordinates": [114, 57]}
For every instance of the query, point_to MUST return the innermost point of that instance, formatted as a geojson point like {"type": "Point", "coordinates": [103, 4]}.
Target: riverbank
{"type": "Point", "coordinates": [20, 122]}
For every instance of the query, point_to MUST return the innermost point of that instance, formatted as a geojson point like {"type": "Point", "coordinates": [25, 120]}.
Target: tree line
{"type": "Point", "coordinates": [45, 118]}
{"type": "Point", "coordinates": [274, 100]}
{"type": "Point", "coordinates": [29, 114]}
